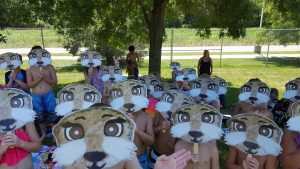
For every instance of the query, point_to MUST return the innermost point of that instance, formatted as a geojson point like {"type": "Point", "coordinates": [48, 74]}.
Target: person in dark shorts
{"type": "Point", "coordinates": [132, 59]}
{"type": "Point", "coordinates": [205, 65]}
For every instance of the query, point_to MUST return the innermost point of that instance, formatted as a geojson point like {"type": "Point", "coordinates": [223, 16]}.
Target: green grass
{"type": "Point", "coordinates": [20, 38]}
{"type": "Point", "coordinates": [235, 71]}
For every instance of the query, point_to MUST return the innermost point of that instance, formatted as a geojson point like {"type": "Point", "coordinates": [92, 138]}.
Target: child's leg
{"type": "Point", "coordinates": [50, 104]}
{"type": "Point", "coordinates": [38, 107]}
{"type": "Point", "coordinates": [43, 131]}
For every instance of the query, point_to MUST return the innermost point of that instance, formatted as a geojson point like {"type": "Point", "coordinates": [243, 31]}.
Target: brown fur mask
{"type": "Point", "coordinates": [112, 74]}
{"type": "Point", "coordinates": [292, 90]}
{"type": "Point", "coordinates": [175, 66]}
{"type": "Point", "coordinates": [197, 123]}
{"type": "Point", "coordinates": [170, 101]}
{"type": "Point", "coordinates": [186, 74]}
{"type": "Point", "coordinates": [76, 97]}
{"type": "Point", "coordinates": [149, 81]}
{"type": "Point", "coordinates": [128, 96]}
{"type": "Point", "coordinates": [16, 109]}
{"type": "Point", "coordinates": [255, 92]}
{"type": "Point", "coordinates": [39, 57]}
{"type": "Point", "coordinates": [294, 122]}
{"type": "Point", "coordinates": [10, 61]}
{"type": "Point", "coordinates": [159, 89]}
{"type": "Point", "coordinates": [204, 89]}
{"type": "Point", "coordinates": [222, 85]}
{"type": "Point", "coordinates": [90, 59]}
{"type": "Point", "coordinates": [94, 138]}
{"type": "Point", "coordinates": [254, 134]}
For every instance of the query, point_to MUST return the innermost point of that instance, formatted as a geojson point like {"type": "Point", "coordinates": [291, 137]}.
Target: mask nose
{"type": "Point", "coordinates": [253, 98]}
{"type": "Point", "coordinates": [94, 156]}
{"type": "Point", "coordinates": [251, 145]}
{"type": "Point", "coordinates": [112, 79]}
{"type": "Point", "coordinates": [10, 66]}
{"type": "Point", "coordinates": [7, 123]}
{"type": "Point", "coordinates": [40, 62]}
{"type": "Point", "coordinates": [195, 134]}
{"type": "Point", "coordinates": [128, 105]}
{"type": "Point", "coordinates": [297, 97]}
{"type": "Point", "coordinates": [91, 64]}
{"type": "Point", "coordinates": [186, 79]}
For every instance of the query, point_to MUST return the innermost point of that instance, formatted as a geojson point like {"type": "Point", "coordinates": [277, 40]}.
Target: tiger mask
{"type": "Point", "coordinates": [149, 81]}
{"type": "Point", "coordinates": [16, 109]}
{"type": "Point", "coordinates": [294, 122]}
{"type": "Point", "coordinates": [112, 74]}
{"type": "Point", "coordinates": [175, 66]}
{"type": "Point", "coordinates": [254, 134]}
{"type": "Point", "coordinates": [90, 59]}
{"type": "Point", "coordinates": [197, 123]}
{"type": "Point", "coordinates": [222, 85]}
{"type": "Point", "coordinates": [95, 138]}
{"type": "Point", "coordinates": [186, 74]}
{"type": "Point", "coordinates": [128, 96]}
{"type": "Point", "coordinates": [75, 97]}
{"type": "Point", "coordinates": [10, 61]}
{"type": "Point", "coordinates": [39, 57]}
{"type": "Point", "coordinates": [292, 90]}
{"type": "Point", "coordinates": [204, 89]}
{"type": "Point", "coordinates": [255, 92]}
{"type": "Point", "coordinates": [170, 101]}
{"type": "Point", "coordinates": [159, 89]}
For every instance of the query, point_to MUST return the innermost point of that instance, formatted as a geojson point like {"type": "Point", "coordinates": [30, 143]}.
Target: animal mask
{"type": "Point", "coordinates": [175, 66]}
{"type": "Point", "coordinates": [76, 97]}
{"type": "Point", "coordinates": [149, 81]}
{"type": "Point", "coordinates": [294, 122]}
{"type": "Point", "coordinates": [254, 134]}
{"type": "Point", "coordinates": [159, 89]}
{"type": "Point", "coordinates": [112, 74]}
{"type": "Point", "coordinates": [128, 96]}
{"type": "Point", "coordinates": [174, 86]}
{"type": "Point", "coordinates": [90, 59]}
{"type": "Point", "coordinates": [222, 85]}
{"type": "Point", "coordinates": [170, 101]}
{"type": "Point", "coordinates": [204, 89]}
{"type": "Point", "coordinates": [292, 90]}
{"type": "Point", "coordinates": [94, 138]}
{"type": "Point", "coordinates": [39, 57]}
{"type": "Point", "coordinates": [10, 61]}
{"type": "Point", "coordinates": [186, 74]}
{"type": "Point", "coordinates": [16, 109]}
{"type": "Point", "coordinates": [197, 123]}
{"type": "Point", "coordinates": [255, 92]}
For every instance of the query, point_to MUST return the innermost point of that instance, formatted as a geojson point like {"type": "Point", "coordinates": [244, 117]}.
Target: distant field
{"type": "Point", "coordinates": [19, 38]}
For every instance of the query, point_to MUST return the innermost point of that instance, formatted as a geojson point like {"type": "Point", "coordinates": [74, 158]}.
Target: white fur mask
{"type": "Point", "coordinates": [10, 61]}
{"type": "Point", "coordinates": [128, 96]}
{"type": "Point", "coordinates": [16, 109]}
{"type": "Point", "coordinates": [76, 97]}
{"type": "Point", "coordinates": [39, 57]}
{"type": "Point", "coordinates": [254, 134]}
{"type": "Point", "coordinates": [292, 90]}
{"type": "Point", "coordinates": [186, 74]}
{"type": "Point", "coordinates": [294, 122]}
{"type": "Point", "coordinates": [204, 89]}
{"type": "Point", "coordinates": [255, 92]}
{"type": "Point", "coordinates": [222, 85]}
{"type": "Point", "coordinates": [94, 138]}
{"type": "Point", "coordinates": [112, 74]}
{"type": "Point", "coordinates": [90, 59]}
{"type": "Point", "coordinates": [175, 66]}
{"type": "Point", "coordinates": [197, 123]}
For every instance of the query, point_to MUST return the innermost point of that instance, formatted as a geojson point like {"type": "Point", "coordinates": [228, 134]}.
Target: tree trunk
{"type": "Point", "coordinates": [156, 32]}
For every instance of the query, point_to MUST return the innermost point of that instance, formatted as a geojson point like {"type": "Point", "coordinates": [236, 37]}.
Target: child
{"type": "Point", "coordinates": [132, 59]}
{"type": "Point", "coordinates": [130, 97]}
{"type": "Point", "coordinates": [15, 77]}
{"type": "Point", "coordinates": [239, 159]}
{"type": "Point", "coordinates": [91, 60]}
{"type": "Point", "coordinates": [174, 66]}
{"type": "Point", "coordinates": [41, 78]}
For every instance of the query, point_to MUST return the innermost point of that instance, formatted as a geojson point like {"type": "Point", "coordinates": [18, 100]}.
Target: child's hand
{"type": "Point", "coordinates": [11, 140]}
{"type": "Point", "coordinates": [90, 71]}
{"type": "Point", "coordinates": [42, 74]}
{"type": "Point", "coordinates": [3, 148]}
{"type": "Point", "coordinates": [13, 75]}
{"type": "Point", "coordinates": [252, 163]}
{"type": "Point", "coordinates": [195, 158]}
{"type": "Point", "coordinates": [165, 125]}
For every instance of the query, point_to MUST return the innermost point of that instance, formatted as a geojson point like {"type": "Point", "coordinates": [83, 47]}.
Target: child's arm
{"type": "Point", "coordinates": [30, 82]}
{"type": "Point", "coordinates": [215, 156]}
{"type": "Point", "coordinates": [236, 109]}
{"type": "Point", "coordinates": [133, 163]}
{"type": "Point", "coordinates": [3, 148]}
{"type": "Point", "coordinates": [148, 136]}
{"type": "Point", "coordinates": [157, 127]}
{"type": "Point", "coordinates": [290, 155]}
{"type": "Point", "coordinates": [33, 146]}
{"type": "Point", "coordinates": [21, 83]}
{"type": "Point", "coordinates": [52, 80]}
{"type": "Point", "coordinates": [271, 162]}
{"type": "Point", "coordinates": [231, 159]}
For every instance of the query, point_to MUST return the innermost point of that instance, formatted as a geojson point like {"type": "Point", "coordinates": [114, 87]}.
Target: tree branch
{"type": "Point", "coordinates": [145, 11]}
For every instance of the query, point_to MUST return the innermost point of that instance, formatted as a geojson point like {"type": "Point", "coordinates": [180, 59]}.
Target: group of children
{"type": "Point", "coordinates": [176, 124]}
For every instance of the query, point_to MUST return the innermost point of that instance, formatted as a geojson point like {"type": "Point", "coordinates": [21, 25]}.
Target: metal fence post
{"type": "Point", "coordinates": [42, 35]}
{"type": "Point", "coordinates": [268, 48]}
{"type": "Point", "coordinates": [221, 52]}
{"type": "Point", "coordinates": [172, 39]}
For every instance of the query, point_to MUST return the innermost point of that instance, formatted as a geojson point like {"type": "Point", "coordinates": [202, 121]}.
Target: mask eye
{"type": "Point", "coordinates": [292, 87]}
{"type": "Point", "coordinates": [31, 55]}
{"type": "Point", "coordinates": [74, 133]}
{"type": "Point", "coordinates": [68, 96]}
{"type": "Point", "coordinates": [142, 81]}
{"type": "Point", "coordinates": [16, 102]}
{"type": "Point", "coordinates": [183, 117]}
{"type": "Point", "coordinates": [136, 90]}
{"type": "Point", "coordinates": [262, 90]}
{"type": "Point", "coordinates": [208, 118]}
{"type": "Point", "coordinates": [117, 93]}
{"type": "Point", "coordinates": [13, 57]}
{"type": "Point", "coordinates": [239, 126]}
{"type": "Point", "coordinates": [223, 84]}
{"type": "Point", "coordinates": [2, 60]}
{"type": "Point", "coordinates": [169, 98]}
{"type": "Point", "coordinates": [212, 87]}
{"type": "Point", "coordinates": [112, 129]}
{"type": "Point", "coordinates": [196, 85]}
{"type": "Point", "coordinates": [192, 72]}
{"type": "Point", "coordinates": [153, 82]}
{"type": "Point", "coordinates": [46, 55]}
{"type": "Point", "coordinates": [96, 56]}
{"type": "Point", "coordinates": [105, 71]}
{"type": "Point", "coordinates": [117, 71]}
{"type": "Point", "coordinates": [89, 97]}
{"type": "Point", "coordinates": [85, 57]}
{"type": "Point", "coordinates": [246, 89]}
{"type": "Point", "coordinates": [266, 131]}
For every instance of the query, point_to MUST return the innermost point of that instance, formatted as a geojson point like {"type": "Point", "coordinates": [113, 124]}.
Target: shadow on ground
{"type": "Point", "coordinates": [281, 61]}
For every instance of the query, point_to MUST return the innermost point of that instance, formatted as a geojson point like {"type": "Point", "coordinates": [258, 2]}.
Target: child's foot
{"type": "Point", "coordinates": [43, 136]}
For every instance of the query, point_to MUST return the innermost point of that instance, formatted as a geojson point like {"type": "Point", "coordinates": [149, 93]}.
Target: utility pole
{"type": "Point", "coordinates": [262, 14]}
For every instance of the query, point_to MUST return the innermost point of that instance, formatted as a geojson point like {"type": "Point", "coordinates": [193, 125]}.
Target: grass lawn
{"type": "Point", "coordinates": [235, 71]}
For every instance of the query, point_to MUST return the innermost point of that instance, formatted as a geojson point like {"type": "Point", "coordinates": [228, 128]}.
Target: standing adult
{"type": "Point", "coordinates": [205, 65]}
{"type": "Point", "coordinates": [132, 59]}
